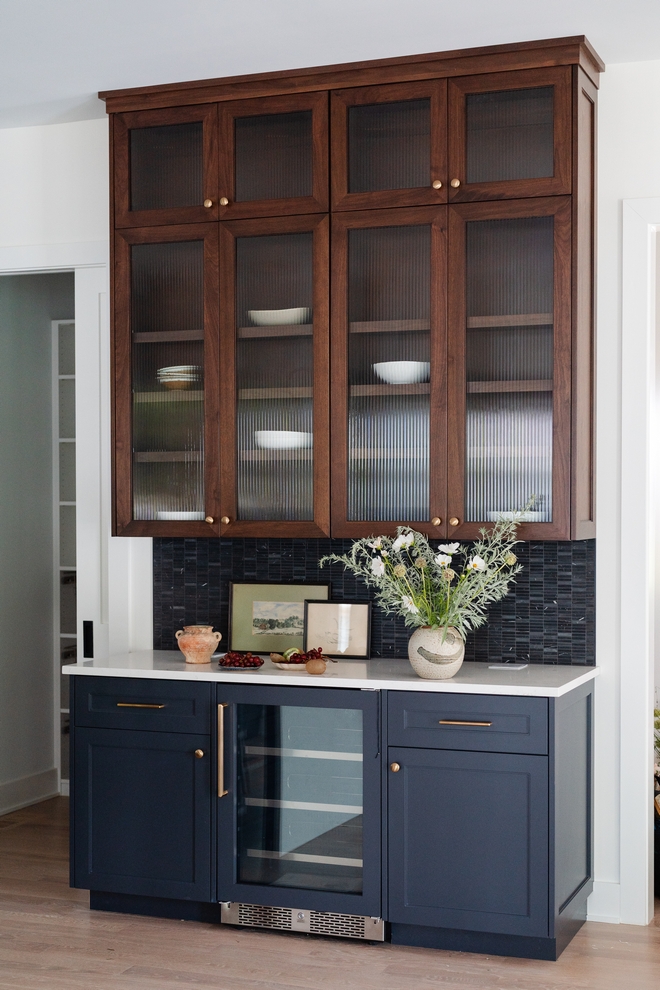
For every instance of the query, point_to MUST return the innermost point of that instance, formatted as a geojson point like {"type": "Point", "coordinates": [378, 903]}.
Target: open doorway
{"type": "Point", "coordinates": [33, 733]}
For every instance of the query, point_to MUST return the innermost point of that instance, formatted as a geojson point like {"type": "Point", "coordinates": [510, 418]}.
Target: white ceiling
{"type": "Point", "coordinates": [55, 56]}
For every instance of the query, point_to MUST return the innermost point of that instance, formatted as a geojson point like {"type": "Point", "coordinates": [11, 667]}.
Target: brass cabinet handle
{"type": "Point", "coordinates": [208, 203]}
{"type": "Point", "coordinates": [456, 721]}
{"type": "Point", "coordinates": [455, 183]}
{"type": "Point", "coordinates": [199, 753]}
{"type": "Point", "coordinates": [437, 184]}
{"type": "Point", "coordinates": [221, 750]}
{"type": "Point", "coordinates": [395, 767]}
{"type": "Point", "coordinates": [209, 519]}
{"type": "Point", "coordinates": [436, 521]}
{"type": "Point", "coordinates": [454, 521]}
{"type": "Point", "coordinates": [136, 704]}
{"type": "Point", "coordinates": [224, 201]}
{"type": "Point", "coordinates": [225, 520]}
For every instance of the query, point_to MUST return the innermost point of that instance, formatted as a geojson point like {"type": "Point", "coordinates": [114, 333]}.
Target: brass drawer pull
{"type": "Point", "coordinates": [455, 721]}
{"type": "Point", "coordinates": [136, 704]}
{"type": "Point", "coordinates": [221, 750]}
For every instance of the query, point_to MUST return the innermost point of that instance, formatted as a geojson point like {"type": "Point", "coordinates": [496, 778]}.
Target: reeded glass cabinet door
{"type": "Point", "coordinates": [389, 145]}
{"type": "Point", "coordinates": [388, 386]}
{"type": "Point", "coordinates": [510, 134]}
{"type": "Point", "coordinates": [166, 354]}
{"type": "Point", "coordinates": [166, 166]}
{"type": "Point", "coordinates": [274, 451]}
{"type": "Point", "coordinates": [303, 799]}
{"type": "Point", "coordinates": [274, 156]}
{"type": "Point", "coordinates": [509, 343]}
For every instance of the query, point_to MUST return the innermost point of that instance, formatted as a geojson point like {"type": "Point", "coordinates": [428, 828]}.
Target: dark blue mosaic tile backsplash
{"type": "Point", "coordinates": [548, 617]}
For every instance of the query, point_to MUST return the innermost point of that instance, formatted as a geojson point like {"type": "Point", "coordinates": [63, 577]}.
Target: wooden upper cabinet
{"type": "Point", "coordinates": [274, 449]}
{"type": "Point", "coordinates": [165, 166]}
{"type": "Point", "coordinates": [389, 145]}
{"type": "Point", "coordinates": [274, 156]}
{"type": "Point", "coordinates": [510, 134]}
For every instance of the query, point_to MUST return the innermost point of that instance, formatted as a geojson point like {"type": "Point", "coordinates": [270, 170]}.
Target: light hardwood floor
{"type": "Point", "coordinates": [49, 940]}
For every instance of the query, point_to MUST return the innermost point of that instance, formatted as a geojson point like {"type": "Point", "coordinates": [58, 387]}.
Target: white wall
{"type": "Point", "coordinates": [28, 303]}
{"type": "Point", "coordinates": [54, 184]}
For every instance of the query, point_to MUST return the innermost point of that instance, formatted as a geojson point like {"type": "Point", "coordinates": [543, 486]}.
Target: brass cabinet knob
{"type": "Point", "coordinates": [224, 201]}
{"type": "Point", "coordinates": [199, 753]}
{"type": "Point", "coordinates": [437, 184]}
{"type": "Point", "coordinates": [454, 521]}
{"type": "Point", "coordinates": [455, 183]}
{"type": "Point", "coordinates": [209, 519]}
{"type": "Point", "coordinates": [436, 521]}
{"type": "Point", "coordinates": [395, 767]}
{"type": "Point", "coordinates": [225, 520]}
{"type": "Point", "coordinates": [208, 203]}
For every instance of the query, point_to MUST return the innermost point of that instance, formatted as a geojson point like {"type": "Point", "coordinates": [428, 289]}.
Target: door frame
{"type": "Point", "coordinates": [115, 582]}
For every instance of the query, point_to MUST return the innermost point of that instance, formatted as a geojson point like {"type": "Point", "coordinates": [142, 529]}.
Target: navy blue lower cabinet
{"type": "Point", "coordinates": [141, 813]}
{"type": "Point", "coordinates": [299, 798]}
{"type": "Point", "coordinates": [468, 841]}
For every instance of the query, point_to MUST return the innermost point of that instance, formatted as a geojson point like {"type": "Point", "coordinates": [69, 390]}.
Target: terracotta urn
{"type": "Point", "coordinates": [198, 643]}
{"type": "Point", "coordinates": [436, 654]}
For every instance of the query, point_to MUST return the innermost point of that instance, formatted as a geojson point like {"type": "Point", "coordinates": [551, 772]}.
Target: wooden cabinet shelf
{"type": "Point", "coordinates": [279, 330]}
{"type": "Point", "coordinates": [541, 385]}
{"type": "Point", "coordinates": [292, 392]}
{"type": "Point", "coordinates": [175, 395]}
{"type": "Point", "coordinates": [167, 456]}
{"type": "Point", "coordinates": [511, 320]}
{"type": "Point", "coordinates": [294, 454]}
{"type": "Point", "coordinates": [167, 336]}
{"type": "Point", "coordinates": [413, 388]}
{"type": "Point", "coordinates": [388, 326]}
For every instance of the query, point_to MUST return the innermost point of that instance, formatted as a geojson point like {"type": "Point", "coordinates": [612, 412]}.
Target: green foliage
{"type": "Point", "coordinates": [452, 586]}
{"type": "Point", "coordinates": [656, 726]}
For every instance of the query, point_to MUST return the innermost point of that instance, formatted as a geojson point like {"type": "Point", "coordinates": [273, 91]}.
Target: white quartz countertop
{"type": "Point", "coordinates": [535, 680]}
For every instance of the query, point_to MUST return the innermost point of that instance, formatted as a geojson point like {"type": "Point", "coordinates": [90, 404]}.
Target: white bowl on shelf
{"type": "Point", "coordinates": [279, 317]}
{"type": "Point", "coordinates": [178, 375]}
{"type": "Point", "coordinates": [403, 372]}
{"type": "Point", "coordinates": [164, 516]}
{"type": "Point", "coordinates": [282, 439]}
{"type": "Point", "coordinates": [529, 516]}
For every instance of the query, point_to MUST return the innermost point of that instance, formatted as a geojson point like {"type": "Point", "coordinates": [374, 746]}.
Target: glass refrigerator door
{"type": "Point", "coordinates": [300, 797]}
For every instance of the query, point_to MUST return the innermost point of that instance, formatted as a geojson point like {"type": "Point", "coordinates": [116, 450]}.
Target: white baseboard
{"type": "Point", "coordinates": [604, 904]}
{"type": "Point", "coordinates": [20, 793]}
{"type": "Point", "coordinates": [64, 788]}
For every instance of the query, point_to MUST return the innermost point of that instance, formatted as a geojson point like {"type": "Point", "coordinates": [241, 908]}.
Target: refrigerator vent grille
{"type": "Point", "coordinates": [264, 917]}
{"type": "Point", "coordinates": [292, 919]}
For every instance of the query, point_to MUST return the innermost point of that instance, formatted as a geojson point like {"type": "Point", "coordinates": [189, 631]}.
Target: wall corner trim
{"type": "Point", "coordinates": [604, 903]}
{"type": "Point", "coordinates": [20, 793]}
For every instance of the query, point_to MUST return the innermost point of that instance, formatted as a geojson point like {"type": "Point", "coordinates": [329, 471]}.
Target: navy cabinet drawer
{"type": "Point", "coordinates": [479, 722]}
{"type": "Point", "coordinates": [141, 703]}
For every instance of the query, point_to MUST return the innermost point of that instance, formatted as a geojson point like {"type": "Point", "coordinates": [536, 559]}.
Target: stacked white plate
{"type": "Point", "coordinates": [179, 375]}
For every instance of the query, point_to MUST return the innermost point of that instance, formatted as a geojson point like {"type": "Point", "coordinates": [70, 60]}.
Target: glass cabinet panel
{"type": "Point", "coordinates": [273, 156]}
{"type": "Point", "coordinates": [389, 146]}
{"type": "Point", "coordinates": [165, 166]}
{"type": "Point", "coordinates": [275, 376]}
{"type": "Point", "coordinates": [509, 367]}
{"type": "Point", "coordinates": [389, 299]}
{"type": "Point", "coordinates": [167, 321]}
{"type": "Point", "coordinates": [510, 134]}
{"type": "Point", "coordinates": [299, 797]}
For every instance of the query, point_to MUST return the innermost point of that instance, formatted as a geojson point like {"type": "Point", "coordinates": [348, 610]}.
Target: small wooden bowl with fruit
{"type": "Point", "coordinates": [313, 660]}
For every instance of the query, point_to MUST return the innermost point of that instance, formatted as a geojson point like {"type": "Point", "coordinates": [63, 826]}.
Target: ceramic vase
{"type": "Point", "coordinates": [436, 654]}
{"type": "Point", "coordinates": [198, 643]}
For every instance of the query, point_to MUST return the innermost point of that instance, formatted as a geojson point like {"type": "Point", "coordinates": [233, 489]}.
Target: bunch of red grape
{"type": "Point", "coordinates": [234, 659]}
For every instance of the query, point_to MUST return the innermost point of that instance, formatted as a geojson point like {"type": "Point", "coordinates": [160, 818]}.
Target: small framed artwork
{"type": "Point", "coordinates": [341, 629]}
{"type": "Point", "coordinates": [268, 617]}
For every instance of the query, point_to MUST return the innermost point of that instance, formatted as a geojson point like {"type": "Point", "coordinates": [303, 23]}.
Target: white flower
{"type": "Point", "coordinates": [378, 566]}
{"type": "Point", "coordinates": [442, 559]}
{"type": "Point", "coordinates": [449, 548]}
{"type": "Point", "coordinates": [377, 544]}
{"type": "Point", "coordinates": [409, 604]}
{"type": "Point", "coordinates": [476, 564]}
{"type": "Point", "coordinates": [405, 540]}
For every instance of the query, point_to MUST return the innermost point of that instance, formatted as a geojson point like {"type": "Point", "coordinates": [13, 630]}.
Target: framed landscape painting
{"type": "Point", "coordinates": [268, 617]}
